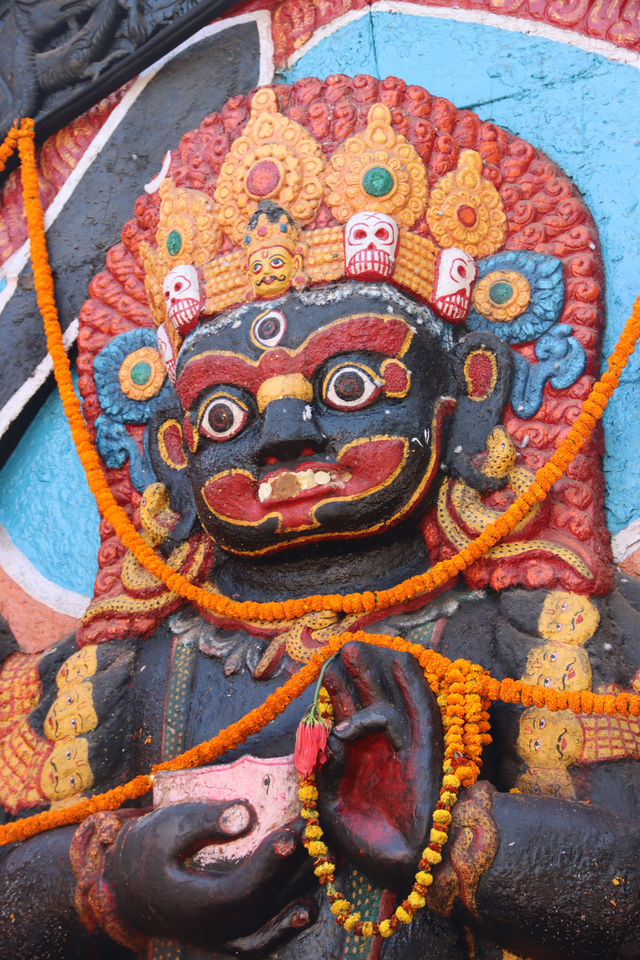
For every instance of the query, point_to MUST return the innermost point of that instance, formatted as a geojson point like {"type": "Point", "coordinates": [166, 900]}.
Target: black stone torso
{"type": "Point", "coordinates": [479, 629]}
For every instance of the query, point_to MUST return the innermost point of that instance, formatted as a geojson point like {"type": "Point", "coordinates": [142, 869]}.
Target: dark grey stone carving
{"type": "Point", "coordinates": [58, 57]}
{"type": "Point", "coordinates": [197, 81]}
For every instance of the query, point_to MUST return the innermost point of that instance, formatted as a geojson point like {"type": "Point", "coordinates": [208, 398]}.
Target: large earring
{"type": "Point", "coordinates": [484, 370]}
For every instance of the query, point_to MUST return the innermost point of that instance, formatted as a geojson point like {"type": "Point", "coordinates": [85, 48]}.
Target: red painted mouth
{"type": "Point", "coordinates": [370, 265]}
{"type": "Point", "coordinates": [304, 482]}
{"type": "Point", "coordinates": [294, 495]}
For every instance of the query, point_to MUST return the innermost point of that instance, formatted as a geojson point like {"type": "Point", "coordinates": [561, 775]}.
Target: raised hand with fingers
{"type": "Point", "coordinates": [381, 782]}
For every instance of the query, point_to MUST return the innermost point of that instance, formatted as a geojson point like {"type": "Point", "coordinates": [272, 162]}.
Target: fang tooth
{"type": "Point", "coordinates": [264, 492]}
{"type": "Point", "coordinates": [322, 477]}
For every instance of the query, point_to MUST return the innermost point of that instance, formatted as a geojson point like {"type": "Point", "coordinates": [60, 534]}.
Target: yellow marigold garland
{"type": "Point", "coordinates": [465, 716]}
{"type": "Point", "coordinates": [591, 411]}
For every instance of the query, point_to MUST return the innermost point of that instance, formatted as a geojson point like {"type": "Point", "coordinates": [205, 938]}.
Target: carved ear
{"type": "Point", "coordinates": [166, 444]}
{"type": "Point", "coordinates": [483, 370]}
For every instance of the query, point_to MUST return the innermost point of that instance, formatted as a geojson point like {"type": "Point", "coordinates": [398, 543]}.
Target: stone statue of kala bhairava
{"type": "Point", "coordinates": [337, 340]}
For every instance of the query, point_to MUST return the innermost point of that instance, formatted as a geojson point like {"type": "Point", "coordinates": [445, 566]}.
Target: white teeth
{"type": "Point", "coordinates": [184, 311]}
{"type": "Point", "coordinates": [264, 492]}
{"type": "Point", "coordinates": [288, 485]}
{"type": "Point", "coordinates": [306, 479]}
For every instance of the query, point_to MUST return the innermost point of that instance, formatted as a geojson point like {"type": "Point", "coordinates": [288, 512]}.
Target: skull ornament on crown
{"type": "Point", "coordinates": [455, 273]}
{"type": "Point", "coordinates": [370, 246]}
{"type": "Point", "coordinates": [183, 300]}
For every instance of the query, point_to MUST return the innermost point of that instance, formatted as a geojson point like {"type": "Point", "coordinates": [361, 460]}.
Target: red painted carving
{"type": "Point", "coordinates": [544, 213]}
{"type": "Point", "coordinates": [56, 159]}
{"type": "Point", "coordinates": [295, 21]}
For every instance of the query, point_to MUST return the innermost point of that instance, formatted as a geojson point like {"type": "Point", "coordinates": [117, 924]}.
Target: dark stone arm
{"type": "Point", "coordinates": [564, 882]}
{"type": "Point", "coordinates": [37, 913]}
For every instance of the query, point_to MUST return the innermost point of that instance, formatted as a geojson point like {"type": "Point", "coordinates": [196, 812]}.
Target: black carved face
{"type": "Point", "coordinates": [307, 421]}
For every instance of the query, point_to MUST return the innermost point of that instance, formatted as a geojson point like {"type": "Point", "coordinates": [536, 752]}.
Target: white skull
{"type": "Point", "coordinates": [167, 352]}
{"type": "Point", "coordinates": [182, 297]}
{"type": "Point", "coordinates": [370, 246]}
{"type": "Point", "coordinates": [455, 272]}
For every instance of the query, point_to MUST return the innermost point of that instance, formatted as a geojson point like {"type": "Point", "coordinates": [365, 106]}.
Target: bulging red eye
{"type": "Point", "coordinates": [350, 387]}
{"type": "Point", "coordinates": [382, 233]}
{"type": "Point", "coordinates": [223, 418]}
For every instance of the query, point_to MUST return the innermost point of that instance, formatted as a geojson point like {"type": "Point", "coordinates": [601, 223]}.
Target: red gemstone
{"type": "Point", "coordinates": [263, 178]}
{"type": "Point", "coordinates": [466, 215]}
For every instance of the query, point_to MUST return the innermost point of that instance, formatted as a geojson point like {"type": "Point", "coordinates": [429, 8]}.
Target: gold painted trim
{"type": "Point", "coordinates": [162, 447]}
{"type": "Point", "coordinates": [289, 386]}
{"type": "Point", "coordinates": [494, 374]}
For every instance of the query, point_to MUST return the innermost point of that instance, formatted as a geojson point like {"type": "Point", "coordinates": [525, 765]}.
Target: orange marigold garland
{"type": "Point", "coordinates": [592, 409]}
{"type": "Point", "coordinates": [9, 145]}
{"type": "Point", "coordinates": [434, 666]}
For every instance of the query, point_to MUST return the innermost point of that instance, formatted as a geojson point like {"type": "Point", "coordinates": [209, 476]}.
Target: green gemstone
{"type": "Point", "coordinates": [141, 373]}
{"type": "Point", "coordinates": [500, 292]}
{"type": "Point", "coordinates": [174, 243]}
{"type": "Point", "coordinates": [377, 182]}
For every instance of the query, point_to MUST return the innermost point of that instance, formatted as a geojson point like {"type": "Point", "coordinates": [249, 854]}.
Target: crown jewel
{"type": "Point", "coordinates": [267, 228]}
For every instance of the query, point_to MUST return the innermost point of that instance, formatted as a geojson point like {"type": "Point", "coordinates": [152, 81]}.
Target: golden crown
{"type": "Point", "coordinates": [271, 186]}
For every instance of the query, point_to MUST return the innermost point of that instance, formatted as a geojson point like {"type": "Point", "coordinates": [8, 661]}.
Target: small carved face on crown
{"type": "Point", "coordinates": [272, 269]}
{"type": "Point", "coordinates": [370, 246]}
{"type": "Point", "coordinates": [182, 297]}
{"type": "Point", "coordinates": [455, 272]}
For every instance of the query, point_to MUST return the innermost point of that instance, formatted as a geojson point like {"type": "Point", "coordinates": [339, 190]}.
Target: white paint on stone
{"type": "Point", "coordinates": [625, 542]}
{"type": "Point", "coordinates": [13, 406]}
{"type": "Point", "coordinates": [13, 266]}
{"type": "Point", "coordinates": [23, 572]}
{"type": "Point", "coordinates": [482, 17]}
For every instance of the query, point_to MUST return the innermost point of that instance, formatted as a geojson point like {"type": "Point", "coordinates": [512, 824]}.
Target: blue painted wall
{"type": "Point", "coordinates": [46, 506]}
{"type": "Point", "coordinates": [582, 109]}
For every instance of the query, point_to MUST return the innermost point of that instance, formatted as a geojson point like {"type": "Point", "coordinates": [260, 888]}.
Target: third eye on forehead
{"type": "Point", "coordinates": [285, 322]}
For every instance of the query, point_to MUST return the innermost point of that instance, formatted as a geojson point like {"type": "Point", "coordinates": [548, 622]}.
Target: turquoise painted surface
{"type": "Point", "coordinates": [46, 506]}
{"type": "Point", "coordinates": [580, 108]}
